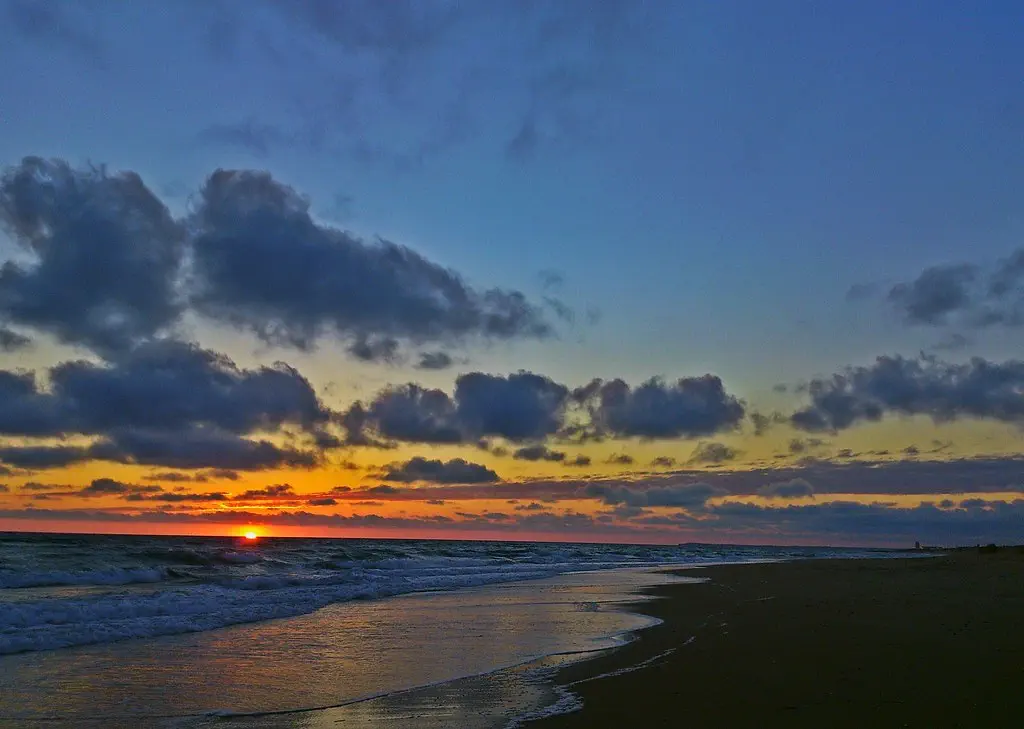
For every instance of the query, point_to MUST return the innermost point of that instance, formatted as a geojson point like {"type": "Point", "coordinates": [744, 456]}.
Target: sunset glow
{"type": "Point", "coordinates": [510, 294]}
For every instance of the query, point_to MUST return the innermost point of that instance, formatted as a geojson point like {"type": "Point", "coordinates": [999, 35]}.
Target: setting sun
{"type": "Point", "coordinates": [250, 535]}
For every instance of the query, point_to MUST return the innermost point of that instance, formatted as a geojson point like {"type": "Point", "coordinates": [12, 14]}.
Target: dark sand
{"type": "Point", "coordinates": [933, 642]}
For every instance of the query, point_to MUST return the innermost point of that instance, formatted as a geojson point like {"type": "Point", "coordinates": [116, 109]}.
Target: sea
{"type": "Point", "coordinates": [183, 632]}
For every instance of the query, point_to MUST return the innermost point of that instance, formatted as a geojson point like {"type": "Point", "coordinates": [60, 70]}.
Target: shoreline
{"type": "Point", "coordinates": [911, 642]}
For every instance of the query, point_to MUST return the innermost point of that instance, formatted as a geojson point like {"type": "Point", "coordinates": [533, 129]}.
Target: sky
{"type": "Point", "coordinates": [664, 272]}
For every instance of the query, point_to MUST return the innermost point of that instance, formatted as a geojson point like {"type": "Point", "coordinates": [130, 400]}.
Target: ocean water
{"type": "Point", "coordinates": [156, 631]}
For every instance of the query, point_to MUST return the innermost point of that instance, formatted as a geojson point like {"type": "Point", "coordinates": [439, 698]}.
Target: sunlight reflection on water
{"type": "Point", "coordinates": [339, 654]}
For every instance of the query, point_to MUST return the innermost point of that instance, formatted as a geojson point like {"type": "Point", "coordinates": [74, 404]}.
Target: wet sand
{"type": "Point", "coordinates": [934, 642]}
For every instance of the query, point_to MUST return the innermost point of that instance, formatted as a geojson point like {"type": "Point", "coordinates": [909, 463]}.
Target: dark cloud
{"type": "Point", "coordinates": [178, 497]}
{"type": "Point", "coordinates": [262, 262]}
{"type": "Point", "coordinates": [839, 521]}
{"type": "Point", "coordinates": [4, 489]}
{"type": "Point", "coordinates": [690, 407]}
{"type": "Point", "coordinates": [223, 473]}
{"type": "Point", "coordinates": [274, 491]}
{"type": "Point", "coordinates": [36, 486]}
{"type": "Point", "coordinates": [43, 457]}
{"type": "Point", "coordinates": [375, 349]}
{"type": "Point", "coordinates": [579, 461]}
{"type": "Point", "coordinates": [175, 477]}
{"type": "Point", "coordinates": [457, 470]}
{"type": "Point", "coordinates": [164, 403]}
{"type": "Point", "coordinates": [794, 489]}
{"type": "Point", "coordinates": [935, 294]}
{"type": "Point", "coordinates": [713, 453]}
{"type": "Point", "coordinates": [323, 501]}
{"type": "Point", "coordinates": [11, 341]}
{"type": "Point", "coordinates": [384, 490]}
{"type": "Point", "coordinates": [923, 386]}
{"type": "Point", "coordinates": [199, 448]}
{"type": "Point", "coordinates": [106, 270]}
{"type": "Point", "coordinates": [434, 361]}
{"type": "Point", "coordinates": [692, 496]}
{"type": "Point", "coordinates": [664, 462]}
{"type": "Point", "coordinates": [964, 294]}
{"type": "Point", "coordinates": [110, 487]}
{"type": "Point", "coordinates": [171, 385]}
{"type": "Point", "coordinates": [538, 453]}
{"type": "Point", "coordinates": [520, 406]}
{"type": "Point", "coordinates": [620, 459]}
{"type": "Point", "coordinates": [106, 255]}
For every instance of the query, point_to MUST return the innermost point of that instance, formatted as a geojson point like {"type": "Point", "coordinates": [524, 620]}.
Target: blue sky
{"type": "Point", "coordinates": [700, 183]}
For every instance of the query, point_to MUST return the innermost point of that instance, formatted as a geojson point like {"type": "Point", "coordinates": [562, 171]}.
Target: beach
{"type": "Point", "coordinates": [868, 639]}
{"type": "Point", "coordinates": [933, 642]}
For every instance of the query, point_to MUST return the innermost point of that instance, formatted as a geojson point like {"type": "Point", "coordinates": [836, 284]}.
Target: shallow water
{"type": "Point", "coordinates": [338, 655]}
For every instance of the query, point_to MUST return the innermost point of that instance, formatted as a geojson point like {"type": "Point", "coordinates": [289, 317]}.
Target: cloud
{"type": "Point", "coordinates": [172, 385]}
{"type": "Point", "coordinates": [178, 497]}
{"type": "Point", "coordinates": [923, 386]}
{"type": "Point", "coordinates": [620, 459]}
{"type": "Point", "coordinates": [520, 406]}
{"type": "Point", "coordinates": [164, 403]}
{"type": "Point", "coordinates": [322, 501]}
{"type": "Point", "coordinates": [262, 262]}
{"type": "Point", "coordinates": [538, 453]}
{"type": "Point", "coordinates": [457, 470]}
{"type": "Point", "coordinates": [434, 361]}
{"type": "Point", "coordinates": [199, 448]}
{"type": "Point", "coordinates": [664, 462]}
{"type": "Point", "coordinates": [106, 270]}
{"type": "Point", "coordinates": [579, 461]}
{"type": "Point", "coordinates": [105, 255]}
{"type": "Point", "coordinates": [964, 294]}
{"type": "Point", "coordinates": [935, 294]}
{"type": "Point", "coordinates": [43, 457]}
{"type": "Point", "coordinates": [530, 407]}
{"type": "Point", "coordinates": [693, 496]}
{"type": "Point", "coordinates": [839, 521]}
{"type": "Point", "coordinates": [795, 489]}
{"type": "Point", "coordinates": [11, 341]}
{"type": "Point", "coordinates": [713, 453]}
{"type": "Point", "coordinates": [274, 491]}
{"type": "Point", "coordinates": [384, 490]}
{"type": "Point", "coordinates": [690, 407]}
{"type": "Point", "coordinates": [110, 487]}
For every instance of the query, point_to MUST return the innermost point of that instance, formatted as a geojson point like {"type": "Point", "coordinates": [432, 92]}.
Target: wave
{"type": "Point", "coordinates": [17, 580]}
{"type": "Point", "coordinates": [102, 589]}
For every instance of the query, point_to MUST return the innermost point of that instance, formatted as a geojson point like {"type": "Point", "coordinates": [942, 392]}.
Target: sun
{"type": "Point", "coordinates": [250, 536]}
